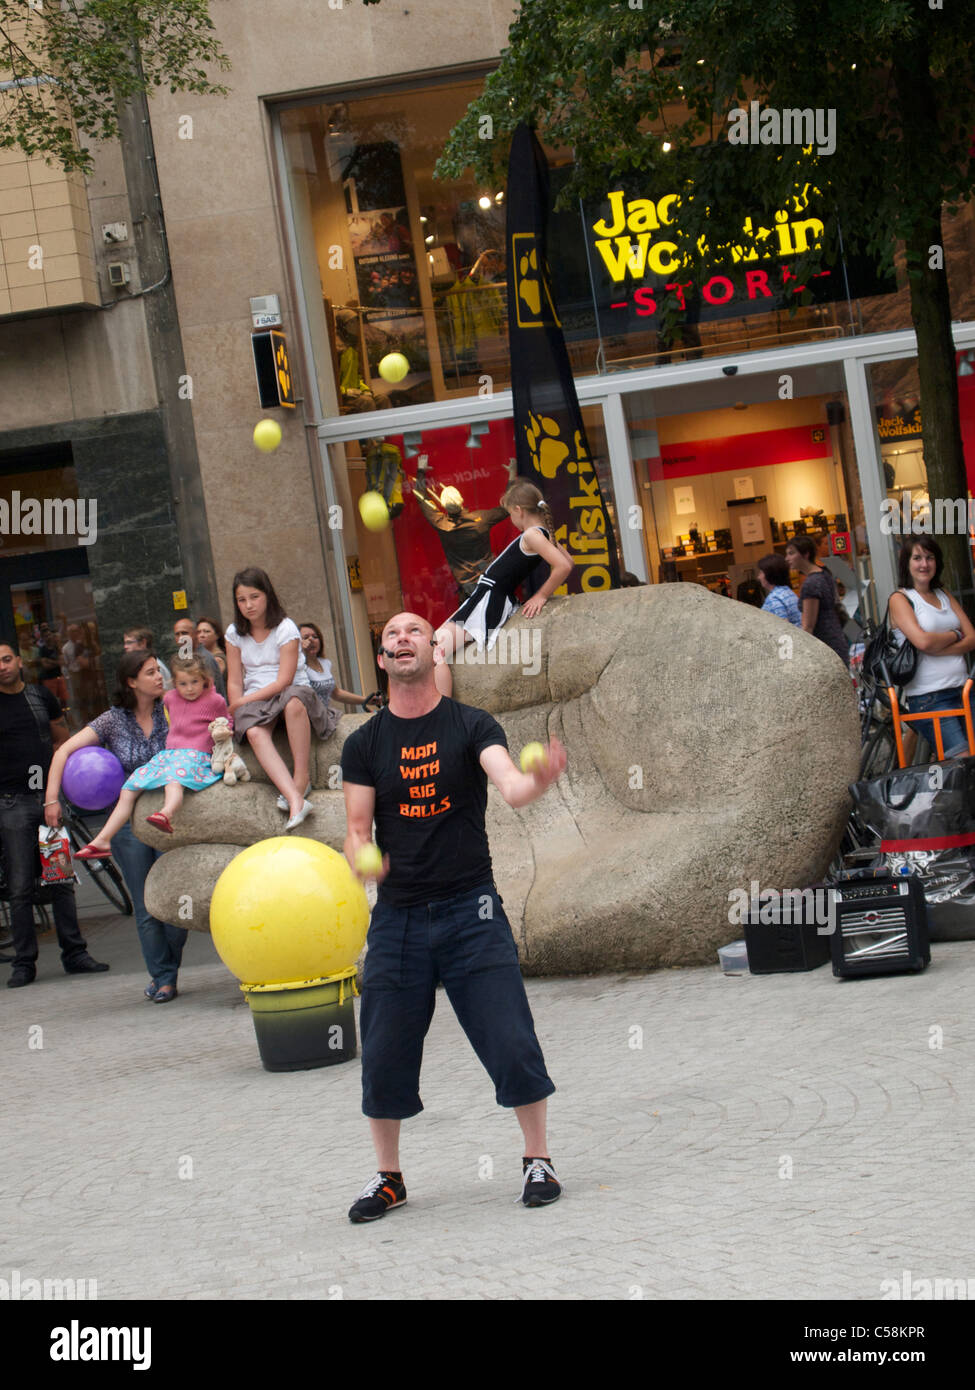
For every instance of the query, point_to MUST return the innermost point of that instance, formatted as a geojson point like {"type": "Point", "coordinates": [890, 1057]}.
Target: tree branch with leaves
{"type": "Point", "coordinates": [66, 65]}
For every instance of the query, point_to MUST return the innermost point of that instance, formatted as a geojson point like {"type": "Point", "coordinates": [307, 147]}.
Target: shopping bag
{"type": "Point", "coordinates": [55, 852]}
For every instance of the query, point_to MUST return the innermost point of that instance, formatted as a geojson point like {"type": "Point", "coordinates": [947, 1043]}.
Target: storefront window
{"type": "Point", "coordinates": [896, 399]}
{"type": "Point", "coordinates": [405, 276]}
{"type": "Point", "coordinates": [420, 562]}
{"type": "Point", "coordinates": [412, 270]}
{"type": "Point", "coordinates": [45, 592]}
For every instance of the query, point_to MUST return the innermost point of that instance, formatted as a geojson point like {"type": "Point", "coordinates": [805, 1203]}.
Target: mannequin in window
{"type": "Point", "coordinates": [357, 395]}
{"type": "Point", "coordinates": [464, 535]}
{"type": "Point", "coordinates": [476, 308]}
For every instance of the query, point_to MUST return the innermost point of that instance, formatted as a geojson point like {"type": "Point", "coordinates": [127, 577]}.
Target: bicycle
{"type": "Point", "coordinates": [102, 872]}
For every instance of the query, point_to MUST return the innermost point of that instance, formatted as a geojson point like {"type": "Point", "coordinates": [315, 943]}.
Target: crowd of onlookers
{"type": "Point", "coordinates": [158, 725]}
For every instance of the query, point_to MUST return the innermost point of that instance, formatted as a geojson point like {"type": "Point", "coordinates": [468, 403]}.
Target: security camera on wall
{"type": "Point", "coordinates": [730, 371]}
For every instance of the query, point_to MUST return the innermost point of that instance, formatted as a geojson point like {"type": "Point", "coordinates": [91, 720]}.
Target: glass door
{"type": "Point", "coordinates": [729, 470]}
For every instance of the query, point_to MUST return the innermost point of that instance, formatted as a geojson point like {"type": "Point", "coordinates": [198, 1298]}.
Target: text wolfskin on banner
{"type": "Point", "coordinates": [550, 437]}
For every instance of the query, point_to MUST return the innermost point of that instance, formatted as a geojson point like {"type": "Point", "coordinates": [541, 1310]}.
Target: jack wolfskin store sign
{"type": "Point", "coordinates": [635, 261]}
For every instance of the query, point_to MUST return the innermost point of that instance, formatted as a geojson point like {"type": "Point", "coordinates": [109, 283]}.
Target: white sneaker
{"type": "Point", "coordinates": [305, 811]}
{"type": "Point", "coordinates": [283, 800]}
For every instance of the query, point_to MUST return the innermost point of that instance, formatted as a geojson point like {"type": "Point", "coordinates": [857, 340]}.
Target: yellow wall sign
{"type": "Point", "coordinates": [355, 577]}
{"type": "Point", "coordinates": [179, 598]}
{"type": "Point", "coordinates": [282, 368]}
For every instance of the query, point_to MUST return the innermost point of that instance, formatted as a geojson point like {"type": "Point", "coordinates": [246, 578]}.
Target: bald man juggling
{"type": "Point", "coordinates": [419, 769]}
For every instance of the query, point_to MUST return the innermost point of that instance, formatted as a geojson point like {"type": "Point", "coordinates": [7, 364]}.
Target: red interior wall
{"type": "Point", "coordinates": [481, 476]}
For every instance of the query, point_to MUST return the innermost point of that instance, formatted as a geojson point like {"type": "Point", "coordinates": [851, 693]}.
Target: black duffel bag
{"type": "Point", "coordinates": [925, 819]}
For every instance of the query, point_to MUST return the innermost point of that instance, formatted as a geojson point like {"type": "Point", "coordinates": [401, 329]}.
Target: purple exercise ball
{"type": "Point", "coordinates": [92, 778]}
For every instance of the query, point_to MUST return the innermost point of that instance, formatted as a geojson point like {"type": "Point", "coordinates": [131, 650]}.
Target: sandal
{"type": "Point", "coordinates": [151, 990]}
{"type": "Point", "coordinates": [164, 994]}
{"type": "Point", "coordinates": [92, 852]}
{"type": "Point", "coordinates": [160, 821]}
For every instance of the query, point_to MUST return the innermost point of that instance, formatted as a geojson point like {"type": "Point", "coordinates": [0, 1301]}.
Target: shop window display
{"type": "Point", "coordinates": [413, 265]}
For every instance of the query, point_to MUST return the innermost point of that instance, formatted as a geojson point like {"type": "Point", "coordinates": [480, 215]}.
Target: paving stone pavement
{"type": "Point", "coordinates": [788, 1137]}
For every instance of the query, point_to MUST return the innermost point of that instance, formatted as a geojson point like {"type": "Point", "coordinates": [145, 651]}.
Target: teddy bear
{"type": "Point", "coordinates": [223, 758]}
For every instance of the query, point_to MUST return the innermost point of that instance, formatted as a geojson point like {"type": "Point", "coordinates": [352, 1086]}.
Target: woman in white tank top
{"type": "Point", "coordinates": [937, 626]}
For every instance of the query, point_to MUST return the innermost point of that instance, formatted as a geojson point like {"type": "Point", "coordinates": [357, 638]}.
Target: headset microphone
{"type": "Point", "coordinates": [385, 651]}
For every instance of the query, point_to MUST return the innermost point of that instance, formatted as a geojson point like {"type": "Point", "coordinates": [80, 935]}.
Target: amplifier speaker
{"type": "Point", "coordinates": [881, 927]}
{"type": "Point", "coordinates": [792, 940]}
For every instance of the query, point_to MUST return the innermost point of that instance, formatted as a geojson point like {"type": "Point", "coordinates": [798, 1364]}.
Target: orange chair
{"type": "Point", "coordinates": [935, 717]}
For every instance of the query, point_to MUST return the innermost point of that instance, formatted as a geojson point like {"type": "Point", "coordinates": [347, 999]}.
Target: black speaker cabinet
{"type": "Point", "coordinates": [787, 937]}
{"type": "Point", "coordinates": [881, 927]}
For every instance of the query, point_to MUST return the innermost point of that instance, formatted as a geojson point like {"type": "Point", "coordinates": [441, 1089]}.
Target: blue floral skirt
{"type": "Point", "coordinates": [187, 766]}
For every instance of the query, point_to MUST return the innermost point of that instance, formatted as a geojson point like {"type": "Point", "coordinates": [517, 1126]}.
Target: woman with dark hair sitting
{"type": "Point", "coordinates": [134, 729]}
{"type": "Point", "coordinates": [818, 601]}
{"type": "Point", "coordinates": [209, 636]}
{"type": "Point", "coordinates": [780, 599]}
{"type": "Point", "coordinates": [934, 622]}
{"type": "Point", "coordinates": [320, 668]}
{"type": "Point", "coordinates": [267, 677]}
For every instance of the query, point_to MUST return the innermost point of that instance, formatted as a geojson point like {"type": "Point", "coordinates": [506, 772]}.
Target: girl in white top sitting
{"type": "Point", "coordinates": [935, 623]}
{"type": "Point", "coordinates": [267, 677]}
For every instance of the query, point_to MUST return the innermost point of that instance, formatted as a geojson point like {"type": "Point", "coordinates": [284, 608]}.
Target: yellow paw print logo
{"type": "Point", "coordinates": [547, 450]}
{"type": "Point", "coordinates": [529, 287]}
{"type": "Point", "coordinates": [284, 372]}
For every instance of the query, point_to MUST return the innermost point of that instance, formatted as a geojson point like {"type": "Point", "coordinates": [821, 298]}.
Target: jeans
{"type": "Point", "coordinates": [953, 732]}
{"type": "Point", "coordinates": [466, 943]}
{"type": "Point", "coordinates": [20, 815]}
{"type": "Point", "coordinates": [162, 944]}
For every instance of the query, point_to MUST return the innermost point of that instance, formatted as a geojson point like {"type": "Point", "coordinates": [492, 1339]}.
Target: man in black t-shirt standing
{"type": "Point", "coordinates": [31, 726]}
{"type": "Point", "coordinates": [419, 768]}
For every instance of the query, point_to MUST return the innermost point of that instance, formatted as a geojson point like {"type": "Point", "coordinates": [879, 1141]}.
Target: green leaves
{"type": "Point", "coordinates": [98, 53]}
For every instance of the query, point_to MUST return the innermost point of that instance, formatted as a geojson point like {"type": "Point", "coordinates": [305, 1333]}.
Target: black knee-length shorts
{"type": "Point", "coordinates": [466, 943]}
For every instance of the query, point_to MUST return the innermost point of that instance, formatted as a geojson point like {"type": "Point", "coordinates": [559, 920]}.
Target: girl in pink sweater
{"type": "Point", "coordinates": [185, 762]}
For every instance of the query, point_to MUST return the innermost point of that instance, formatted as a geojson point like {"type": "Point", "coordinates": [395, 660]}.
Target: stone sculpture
{"type": "Point", "coordinates": [710, 747]}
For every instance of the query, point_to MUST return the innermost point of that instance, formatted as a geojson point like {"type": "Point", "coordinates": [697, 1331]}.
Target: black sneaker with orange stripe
{"type": "Point", "coordinates": [383, 1191]}
{"type": "Point", "coordinates": [540, 1185]}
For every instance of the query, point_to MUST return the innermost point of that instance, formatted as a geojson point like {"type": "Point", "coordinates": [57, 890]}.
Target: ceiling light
{"type": "Point", "coordinates": [499, 196]}
{"type": "Point", "coordinates": [666, 147]}
{"type": "Point", "coordinates": [474, 441]}
{"type": "Point", "coordinates": [484, 201]}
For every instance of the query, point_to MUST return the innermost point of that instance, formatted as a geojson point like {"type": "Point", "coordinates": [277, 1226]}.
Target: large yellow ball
{"type": "Point", "coordinates": [393, 367]}
{"type": "Point", "coordinates": [373, 510]}
{"type": "Point", "coordinates": [267, 435]}
{"type": "Point", "coordinates": [288, 909]}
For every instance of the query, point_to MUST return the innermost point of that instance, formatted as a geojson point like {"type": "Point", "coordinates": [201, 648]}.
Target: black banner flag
{"type": "Point", "coordinates": [550, 436]}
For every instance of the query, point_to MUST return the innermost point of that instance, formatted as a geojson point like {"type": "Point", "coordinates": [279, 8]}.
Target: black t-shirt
{"type": "Point", "coordinates": [431, 796]}
{"type": "Point", "coordinates": [21, 749]}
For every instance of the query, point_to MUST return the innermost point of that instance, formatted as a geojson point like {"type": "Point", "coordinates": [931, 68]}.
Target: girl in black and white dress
{"type": "Point", "coordinates": [484, 612]}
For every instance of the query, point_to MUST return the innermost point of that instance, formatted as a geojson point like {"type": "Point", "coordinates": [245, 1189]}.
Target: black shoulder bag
{"type": "Point", "coordinates": [899, 658]}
